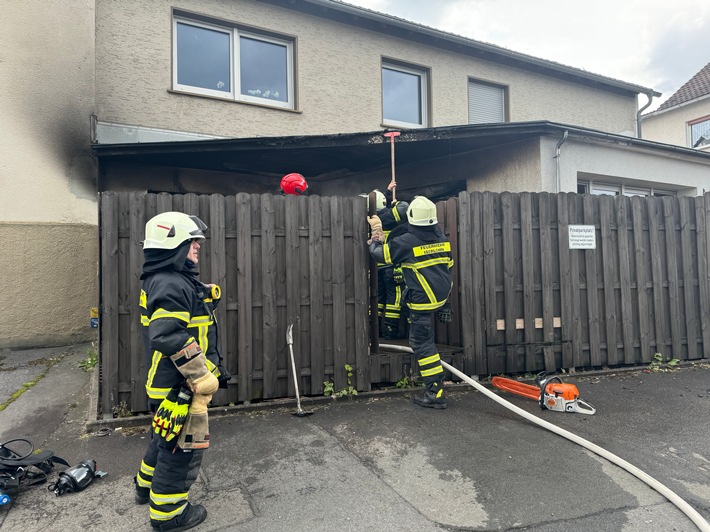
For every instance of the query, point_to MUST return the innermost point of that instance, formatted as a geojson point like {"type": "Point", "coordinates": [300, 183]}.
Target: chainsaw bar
{"type": "Point", "coordinates": [518, 388]}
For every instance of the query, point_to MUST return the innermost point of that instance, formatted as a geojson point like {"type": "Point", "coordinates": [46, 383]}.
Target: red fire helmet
{"type": "Point", "coordinates": [293, 184]}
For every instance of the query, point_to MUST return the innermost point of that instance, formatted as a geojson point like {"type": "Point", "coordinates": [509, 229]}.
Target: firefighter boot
{"type": "Point", "coordinates": [142, 494]}
{"type": "Point", "coordinates": [433, 397]}
{"type": "Point", "coordinates": [192, 516]}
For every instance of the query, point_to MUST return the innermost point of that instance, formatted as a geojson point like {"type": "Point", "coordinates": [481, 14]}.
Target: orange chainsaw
{"type": "Point", "coordinates": [551, 393]}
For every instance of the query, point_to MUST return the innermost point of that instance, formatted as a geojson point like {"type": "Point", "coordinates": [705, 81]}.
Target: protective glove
{"type": "Point", "coordinates": [179, 413]}
{"type": "Point", "coordinates": [191, 362]}
{"type": "Point", "coordinates": [398, 275]}
{"type": "Point", "coordinates": [223, 377]}
{"type": "Point", "coordinates": [443, 314]}
{"type": "Point", "coordinates": [375, 224]}
{"type": "Point", "coordinates": [161, 419]}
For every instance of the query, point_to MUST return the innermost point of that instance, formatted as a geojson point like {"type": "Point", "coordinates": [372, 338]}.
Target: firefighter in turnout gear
{"type": "Point", "coordinates": [425, 256]}
{"type": "Point", "coordinates": [185, 367]}
{"type": "Point", "coordinates": [389, 283]}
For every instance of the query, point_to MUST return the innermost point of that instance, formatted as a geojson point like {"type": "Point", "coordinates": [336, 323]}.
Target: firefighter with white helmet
{"type": "Point", "coordinates": [389, 277]}
{"type": "Point", "coordinates": [425, 256]}
{"type": "Point", "coordinates": [185, 367]}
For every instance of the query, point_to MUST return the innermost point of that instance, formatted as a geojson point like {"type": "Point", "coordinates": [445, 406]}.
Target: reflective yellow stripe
{"type": "Point", "coordinates": [145, 320]}
{"type": "Point", "coordinates": [197, 321]}
{"type": "Point", "coordinates": [155, 359]}
{"type": "Point", "coordinates": [426, 263]}
{"type": "Point", "coordinates": [386, 253]}
{"type": "Point", "coordinates": [398, 296]}
{"type": "Point", "coordinates": [145, 468]}
{"type": "Point", "coordinates": [167, 498]}
{"type": "Point", "coordinates": [142, 483]}
{"type": "Point", "coordinates": [157, 515]}
{"type": "Point", "coordinates": [430, 372]}
{"type": "Point", "coordinates": [162, 313]}
{"type": "Point", "coordinates": [157, 393]}
{"type": "Point", "coordinates": [395, 213]}
{"type": "Point", "coordinates": [430, 249]}
{"type": "Point", "coordinates": [425, 286]}
{"type": "Point", "coordinates": [143, 301]}
{"type": "Point", "coordinates": [392, 315]}
{"type": "Point", "coordinates": [425, 306]}
{"type": "Point", "coordinates": [429, 360]}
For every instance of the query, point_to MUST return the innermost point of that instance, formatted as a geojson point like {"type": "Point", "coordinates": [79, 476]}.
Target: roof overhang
{"type": "Point", "coordinates": [326, 157]}
{"type": "Point", "coordinates": [404, 29]}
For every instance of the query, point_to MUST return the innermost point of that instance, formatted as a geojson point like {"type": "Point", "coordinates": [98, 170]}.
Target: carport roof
{"type": "Point", "coordinates": [324, 157]}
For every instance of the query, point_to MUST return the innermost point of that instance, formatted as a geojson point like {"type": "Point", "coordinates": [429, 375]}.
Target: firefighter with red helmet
{"type": "Point", "coordinates": [294, 184]}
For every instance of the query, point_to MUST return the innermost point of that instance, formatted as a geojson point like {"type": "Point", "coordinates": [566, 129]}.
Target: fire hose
{"type": "Point", "coordinates": [669, 494]}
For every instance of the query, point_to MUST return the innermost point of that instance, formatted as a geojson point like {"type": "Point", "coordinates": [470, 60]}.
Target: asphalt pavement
{"type": "Point", "coordinates": [379, 462]}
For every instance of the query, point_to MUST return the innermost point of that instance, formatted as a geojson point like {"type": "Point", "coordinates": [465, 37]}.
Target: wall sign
{"type": "Point", "coordinates": [582, 237]}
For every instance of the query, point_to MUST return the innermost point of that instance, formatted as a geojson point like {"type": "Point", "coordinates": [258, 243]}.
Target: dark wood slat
{"type": "Point", "coordinates": [340, 354]}
{"type": "Point", "coordinates": [566, 288]}
{"type": "Point", "coordinates": [360, 293]}
{"type": "Point", "coordinates": [639, 217]}
{"type": "Point", "coordinates": [508, 244]}
{"type": "Point", "coordinates": [625, 278]}
{"type": "Point", "coordinates": [670, 205]}
{"type": "Point", "coordinates": [528, 261]}
{"type": "Point", "coordinates": [269, 325]}
{"type": "Point", "coordinates": [138, 356]}
{"type": "Point", "coordinates": [590, 261]}
{"type": "Point", "coordinates": [244, 296]}
{"type": "Point", "coordinates": [687, 223]}
{"type": "Point", "coordinates": [466, 264]}
{"type": "Point", "coordinates": [108, 316]}
{"type": "Point", "coordinates": [495, 365]}
{"type": "Point", "coordinates": [606, 221]}
{"type": "Point", "coordinates": [546, 271]}
{"type": "Point", "coordinates": [315, 269]}
{"type": "Point", "coordinates": [702, 217]}
{"type": "Point", "coordinates": [656, 234]}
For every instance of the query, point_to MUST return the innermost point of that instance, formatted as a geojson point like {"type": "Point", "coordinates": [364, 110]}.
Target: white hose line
{"type": "Point", "coordinates": [669, 494]}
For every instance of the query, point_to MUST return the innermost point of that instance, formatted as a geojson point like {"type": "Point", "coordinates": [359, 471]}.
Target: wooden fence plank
{"type": "Point", "coordinates": [293, 290]}
{"type": "Point", "coordinates": [687, 223]}
{"type": "Point", "coordinates": [269, 325]}
{"type": "Point", "coordinates": [360, 294]}
{"type": "Point", "coordinates": [607, 221]}
{"type": "Point", "coordinates": [315, 267]}
{"type": "Point", "coordinates": [528, 260]}
{"type": "Point", "coordinates": [244, 296]}
{"type": "Point", "coordinates": [625, 278]}
{"type": "Point", "coordinates": [590, 260]}
{"type": "Point", "coordinates": [639, 214]}
{"type": "Point", "coordinates": [508, 244]}
{"type": "Point", "coordinates": [340, 354]}
{"type": "Point", "coordinates": [566, 288]}
{"type": "Point", "coordinates": [676, 316]}
{"type": "Point", "coordinates": [495, 363]}
{"type": "Point", "coordinates": [454, 327]}
{"type": "Point", "coordinates": [108, 317]}
{"type": "Point", "coordinates": [480, 361]}
{"type": "Point", "coordinates": [657, 248]}
{"type": "Point", "coordinates": [138, 356]}
{"type": "Point", "coordinates": [578, 353]}
{"type": "Point", "coordinates": [466, 279]}
{"type": "Point", "coordinates": [702, 221]}
{"type": "Point", "coordinates": [546, 271]}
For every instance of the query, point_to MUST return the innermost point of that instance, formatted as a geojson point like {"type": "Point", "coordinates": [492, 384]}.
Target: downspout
{"type": "Point", "coordinates": [649, 95]}
{"type": "Point", "coordinates": [557, 158]}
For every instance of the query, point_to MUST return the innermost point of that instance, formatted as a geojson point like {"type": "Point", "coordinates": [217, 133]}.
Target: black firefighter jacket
{"type": "Point", "coordinates": [425, 257]}
{"type": "Point", "coordinates": [174, 308]}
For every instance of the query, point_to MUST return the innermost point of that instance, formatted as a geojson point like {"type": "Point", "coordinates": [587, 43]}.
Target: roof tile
{"type": "Point", "coordinates": [696, 87]}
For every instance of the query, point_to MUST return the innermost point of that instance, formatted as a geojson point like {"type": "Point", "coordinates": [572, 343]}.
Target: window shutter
{"type": "Point", "coordinates": [486, 103]}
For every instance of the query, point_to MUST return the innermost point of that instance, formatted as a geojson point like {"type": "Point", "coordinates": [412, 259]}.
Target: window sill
{"type": "Point", "coordinates": [232, 100]}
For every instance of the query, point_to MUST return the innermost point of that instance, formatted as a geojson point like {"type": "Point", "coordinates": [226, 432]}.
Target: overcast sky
{"type": "Point", "coordinates": [659, 44]}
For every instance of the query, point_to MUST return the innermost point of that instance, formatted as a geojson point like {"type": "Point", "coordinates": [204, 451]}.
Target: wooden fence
{"type": "Point", "coordinates": [523, 301]}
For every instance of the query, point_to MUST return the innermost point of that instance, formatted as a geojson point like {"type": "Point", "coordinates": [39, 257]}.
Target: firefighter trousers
{"type": "Point", "coordinates": [168, 472]}
{"type": "Point", "coordinates": [421, 340]}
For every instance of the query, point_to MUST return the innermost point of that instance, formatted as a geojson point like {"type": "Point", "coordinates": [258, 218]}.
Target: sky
{"type": "Point", "coordinates": [653, 43]}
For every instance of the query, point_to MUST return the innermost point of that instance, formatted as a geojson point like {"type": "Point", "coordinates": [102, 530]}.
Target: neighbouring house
{"type": "Point", "coordinates": [222, 96]}
{"type": "Point", "coordinates": [684, 118]}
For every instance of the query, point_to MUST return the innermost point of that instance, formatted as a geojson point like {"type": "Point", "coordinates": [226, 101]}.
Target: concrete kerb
{"type": "Point", "coordinates": [275, 404]}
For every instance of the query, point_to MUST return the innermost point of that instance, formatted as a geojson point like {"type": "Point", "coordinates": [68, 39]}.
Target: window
{"type": "Point", "coordinates": [700, 133]}
{"type": "Point", "coordinates": [595, 187]}
{"type": "Point", "coordinates": [486, 103]}
{"type": "Point", "coordinates": [233, 63]}
{"type": "Point", "coordinates": [404, 96]}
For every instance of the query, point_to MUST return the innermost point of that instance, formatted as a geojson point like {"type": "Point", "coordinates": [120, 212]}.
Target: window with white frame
{"type": "Point", "coordinates": [597, 188]}
{"type": "Point", "coordinates": [404, 95]}
{"type": "Point", "coordinates": [486, 103]}
{"type": "Point", "coordinates": [700, 133]}
{"type": "Point", "coordinates": [233, 63]}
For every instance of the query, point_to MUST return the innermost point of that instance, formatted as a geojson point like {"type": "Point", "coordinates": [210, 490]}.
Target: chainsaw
{"type": "Point", "coordinates": [551, 393]}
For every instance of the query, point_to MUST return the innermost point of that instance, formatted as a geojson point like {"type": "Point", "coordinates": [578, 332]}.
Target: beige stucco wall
{"type": "Point", "coordinates": [671, 126]}
{"type": "Point", "coordinates": [48, 213]}
{"type": "Point", "coordinates": [338, 85]}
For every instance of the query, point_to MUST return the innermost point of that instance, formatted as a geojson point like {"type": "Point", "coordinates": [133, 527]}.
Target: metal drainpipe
{"type": "Point", "coordinates": [649, 95]}
{"type": "Point", "coordinates": [557, 158]}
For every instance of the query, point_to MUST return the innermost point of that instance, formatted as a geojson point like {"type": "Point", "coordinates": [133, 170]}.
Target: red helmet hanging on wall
{"type": "Point", "coordinates": [293, 184]}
